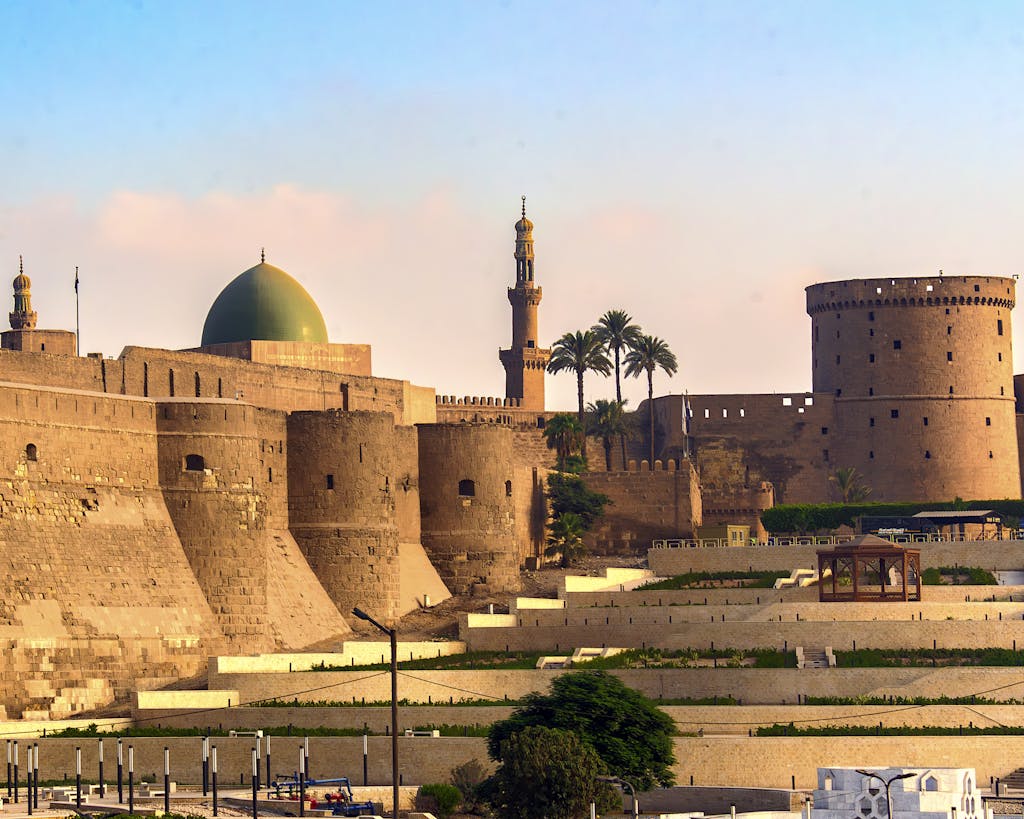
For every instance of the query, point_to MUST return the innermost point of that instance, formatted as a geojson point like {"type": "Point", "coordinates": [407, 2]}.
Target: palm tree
{"type": "Point", "coordinates": [564, 435]}
{"type": "Point", "coordinates": [608, 422]}
{"type": "Point", "coordinates": [565, 537]}
{"type": "Point", "coordinates": [617, 333]}
{"type": "Point", "coordinates": [849, 484]}
{"type": "Point", "coordinates": [579, 352]}
{"type": "Point", "coordinates": [648, 354]}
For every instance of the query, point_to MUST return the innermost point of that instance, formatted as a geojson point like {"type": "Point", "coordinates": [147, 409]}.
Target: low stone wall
{"type": "Point", "coordinates": [773, 762]}
{"type": "Point", "coordinates": [991, 555]}
{"type": "Point", "coordinates": [749, 685]}
{"type": "Point", "coordinates": [611, 628]}
{"type": "Point", "coordinates": [352, 653]}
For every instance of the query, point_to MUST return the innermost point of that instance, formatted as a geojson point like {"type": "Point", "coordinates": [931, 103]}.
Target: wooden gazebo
{"type": "Point", "coordinates": [868, 569]}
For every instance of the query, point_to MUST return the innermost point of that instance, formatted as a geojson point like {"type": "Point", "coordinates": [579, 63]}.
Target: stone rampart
{"type": "Point", "coordinates": [645, 505]}
{"type": "Point", "coordinates": [343, 468]}
{"type": "Point", "coordinates": [467, 504]}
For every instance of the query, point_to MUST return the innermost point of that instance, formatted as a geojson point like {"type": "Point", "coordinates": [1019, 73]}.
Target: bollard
{"type": "Point", "coordinates": [255, 779]}
{"type": "Point", "coordinates": [268, 760]}
{"type": "Point", "coordinates": [167, 780]}
{"type": "Point", "coordinates": [120, 772]}
{"type": "Point", "coordinates": [302, 782]}
{"type": "Point", "coordinates": [35, 775]}
{"type": "Point", "coordinates": [131, 779]}
{"type": "Point", "coordinates": [305, 752]}
{"type": "Point", "coordinates": [259, 758]}
{"type": "Point", "coordinates": [15, 772]}
{"type": "Point", "coordinates": [213, 774]}
{"type": "Point", "coordinates": [103, 790]}
{"type": "Point", "coordinates": [8, 770]}
{"type": "Point", "coordinates": [365, 758]}
{"type": "Point", "coordinates": [29, 780]}
{"type": "Point", "coordinates": [206, 764]}
{"type": "Point", "coordinates": [78, 778]}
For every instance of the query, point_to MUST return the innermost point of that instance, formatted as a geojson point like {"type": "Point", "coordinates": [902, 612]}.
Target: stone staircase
{"type": "Point", "coordinates": [1014, 780]}
{"type": "Point", "coordinates": [812, 658]}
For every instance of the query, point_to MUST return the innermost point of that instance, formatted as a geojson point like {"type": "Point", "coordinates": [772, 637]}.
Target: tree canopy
{"type": "Point", "coordinates": [548, 772]}
{"type": "Point", "coordinates": [628, 732]}
{"type": "Point", "coordinates": [570, 494]}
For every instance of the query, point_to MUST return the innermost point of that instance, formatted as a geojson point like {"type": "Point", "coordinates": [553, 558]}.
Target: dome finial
{"type": "Point", "coordinates": [524, 205]}
{"type": "Point", "coordinates": [21, 264]}
{"type": "Point", "coordinates": [263, 255]}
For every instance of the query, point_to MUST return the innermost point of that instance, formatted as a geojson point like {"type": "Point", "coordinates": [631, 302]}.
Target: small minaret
{"type": "Point", "coordinates": [525, 363]}
{"type": "Point", "coordinates": [23, 317]}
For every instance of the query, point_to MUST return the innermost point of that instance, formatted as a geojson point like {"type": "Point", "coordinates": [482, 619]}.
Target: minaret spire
{"type": "Point", "coordinates": [525, 362]}
{"type": "Point", "coordinates": [23, 317]}
{"type": "Point", "coordinates": [263, 255]}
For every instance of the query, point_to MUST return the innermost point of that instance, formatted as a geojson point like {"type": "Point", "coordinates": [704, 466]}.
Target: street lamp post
{"type": "Point", "coordinates": [622, 783]}
{"type": "Point", "coordinates": [887, 783]}
{"type": "Point", "coordinates": [393, 635]}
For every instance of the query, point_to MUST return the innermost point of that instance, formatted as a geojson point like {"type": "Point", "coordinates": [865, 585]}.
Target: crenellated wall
{"type": "Point", "coordinates": [645, 504]}
{"type": "Point", "coordinates": [467, 505]}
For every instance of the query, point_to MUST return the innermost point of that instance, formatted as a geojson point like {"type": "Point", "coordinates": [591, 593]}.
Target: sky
{"type": "Point", "coordinates": [696, 164]}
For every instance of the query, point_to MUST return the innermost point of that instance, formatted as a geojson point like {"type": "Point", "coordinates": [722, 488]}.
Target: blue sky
{"type": "Point", "coordinates": [694, 163]}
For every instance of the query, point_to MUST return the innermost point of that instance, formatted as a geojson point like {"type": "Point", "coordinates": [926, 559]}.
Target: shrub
{"type": "Point", "coordinates": [468, 777]}
{"type": "Point", "coordinates": [445, 798]}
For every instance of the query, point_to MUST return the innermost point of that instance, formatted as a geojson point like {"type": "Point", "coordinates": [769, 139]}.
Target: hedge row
{"type": "Point", "coordinates": [803, 518]}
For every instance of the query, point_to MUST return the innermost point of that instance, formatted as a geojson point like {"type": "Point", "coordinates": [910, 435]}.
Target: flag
{"type": "Point", "coordinates": [76, 279]}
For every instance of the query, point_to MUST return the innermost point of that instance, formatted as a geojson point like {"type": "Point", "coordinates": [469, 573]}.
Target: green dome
{"type": "Point", "coordinates": [266, 304]}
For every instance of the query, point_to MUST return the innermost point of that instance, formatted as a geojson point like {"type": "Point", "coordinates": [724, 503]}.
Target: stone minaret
{"type": "Point", "coordinates": [525, 363]}
{"type": "Point", "coordinates": [23, 317]}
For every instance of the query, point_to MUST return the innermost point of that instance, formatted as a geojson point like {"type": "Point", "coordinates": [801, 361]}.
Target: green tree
{"type": "Point", "coordinates": [629, 733]}
{"type": "Point", "coordinates": [570, 494]}
{"type": "Point", "coordinates": [607, 421]}
{"type": "Point", "coordinates": [849, 484]}
{"type": "Point", "coordinates": [580, 351]}
{"type": "Point", "coordinates": [547, 772]}
{"type": "Point", "coordinates": [565, 538]}
{"type": "Point", "coordinates": [564, 434]}
{"type": "Point", "coordinates": [650, 353]}
{"type": "Point", "coordinates": [616, 331]}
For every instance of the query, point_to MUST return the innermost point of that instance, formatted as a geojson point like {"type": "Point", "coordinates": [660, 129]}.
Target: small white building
{"type": "Point", "coordinates": [926, 793]}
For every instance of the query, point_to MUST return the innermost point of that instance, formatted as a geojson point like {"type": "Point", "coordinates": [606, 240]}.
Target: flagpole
{"type": "Point", "coordinates": [78, 329]}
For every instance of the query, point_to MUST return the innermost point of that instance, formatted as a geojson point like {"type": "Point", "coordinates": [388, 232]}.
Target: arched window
{"type": "Point", "coordinates": [467, 489]}
{"type": "Point", "coordinates": [508, 489]}
{"type": "Point", "coordinates": [198, 392]}
{"type": "Point", "coordinates": [31, 453]}
{"type": "Point", "coordinates": [195, 463]}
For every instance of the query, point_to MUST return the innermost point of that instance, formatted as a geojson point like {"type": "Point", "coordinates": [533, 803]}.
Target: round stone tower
{"type": "Point", "coordinates": [921, 374]}
{"type": "Point", "coordinates": [466, 505]}
{"type": "Point", "coordinates": [341, 496]}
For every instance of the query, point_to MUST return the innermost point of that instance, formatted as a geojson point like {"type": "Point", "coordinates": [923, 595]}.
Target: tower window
{"type": "Point", "coordinates": [950, 390]}
{"type": "Point", "coordinates": [999, 327]}
{"type": "Point", "coordinates": [988, 422]}
{"type": "Point", "coordinates": [871, 390]}
{"type": "Point", "coordinates": [195, 463]}
{"type": "Point", "coordinates": [925, 419]}
{"type": "Point", "coordinates": [824, 430]}
{"type": "Point", "coordinates": [977, 288]}
{"type": "Point", "coordinates": [894, 413]}
{"type": "Point", "coordinates": [871, 358]}
{"type": "Point", "coordinates": [170, 382]}
{"type": "Point", "coordinates": [871, 332]}
{"type": "Point", "coordinates": [531, 343]}
{"type": "Point", "coordinates": [999, 356]}
{"type": "Point", "coordinates": [871, 454]}
{"type": "Point", "coordinates": [31, 453]}
{"type": "Point", "coordinates": [871, 315]}
{"type": "Point", "coordinates": [330, 481]}
{"type": "Point", "coordinates": [927, 454]}
{"type": "Point", "coordinates": [949, 329]}
{"type": "Point", "coordinates": [467, 488]}
{"type": "Point", "coordinates": [947, 311]}
{"type": "Point", "coordinates": [949, 355]}
{"type": "Point", "coordinates": [508, 489]}
{"type": "Point", "coordinates": [839, 392]}
{"type": "Point", "coordinates": [824, 455]}
{"type": "Point", "coordinates": [198, 391]}
{"type": "Point", "coordinates": [990, 453]}
{"type": "Point", "coordinates": [837, 359]}
{"type": "Point", "coordinates": [897, 344]}
{"type": "Point", "coordinates": [871, 422]}
{"type": "Point", "coordinates": [270, 474]}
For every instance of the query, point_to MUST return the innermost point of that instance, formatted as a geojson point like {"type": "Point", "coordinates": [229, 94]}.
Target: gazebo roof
{"type": "Point", "coordinates": [868, 545]}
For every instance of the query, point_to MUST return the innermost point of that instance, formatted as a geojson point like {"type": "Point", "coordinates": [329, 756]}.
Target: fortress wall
{"type": "Point", "coordinates": [148, 372]}
{"type": "Point", "coordinates": [644, 506]}
{"type": "Point", "coordinates": [57, 371]}
{"type": "Point", "coordinates": [767, 686]}
{"type": "Point", "coordinates": [98, 595]}
{"type": "Point", "coordinates": [895, 352]}
{"type": "Point", "coordinates": [406, 481]}
{"type": "Point", "coordinates": [469, 533]}
{"type": "Point", "coordinates": [342, 500]}
{"type": "Point", "coordinates": [533, 460]}
{"type": "Point", "coordinates": [991, 555]}
{"type": "Point", "coordinates": [219, 508]}
{"type": "Point", "coordinates": [742, 440]}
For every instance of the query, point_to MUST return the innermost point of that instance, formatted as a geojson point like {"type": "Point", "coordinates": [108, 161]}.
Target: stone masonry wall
{"type": "Point", "coordinates": [645, 505]}
{"type": "Point", "coordinates": [342, 469]}
{"type": "Point", "coordinates": [97, 595]}
{"type": "Point", "coordinates": [467, 480]}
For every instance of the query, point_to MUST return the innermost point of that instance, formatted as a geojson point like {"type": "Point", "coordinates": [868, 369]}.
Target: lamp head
{"type": "Point", "coordinates": [362, 615]}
